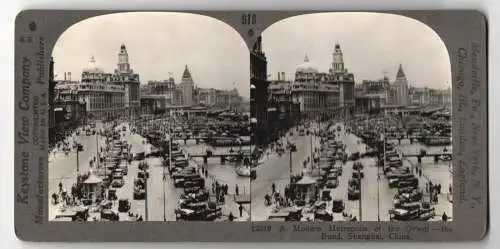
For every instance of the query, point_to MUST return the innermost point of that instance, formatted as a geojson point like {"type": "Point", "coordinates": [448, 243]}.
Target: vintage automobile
{"type": "Point", "coordinates": [140, 156]}
{"type": "Point", "coordinates": [413, 182]}
{"type": "Point", "coordinates": [142, 174]}
{"type": "Point", "coordinates": [336, 170]}
{"type": "Point", "coordinates": [110, 215]}
{"type": "Point", "coordinates": [78, 214]}
{"type": "Point", "coordinates": [195, 182]}
{"type": "Point", "coordinates": [407, 205]}
{"type": "Point", "coordinates": [289, 214]}
{"type": "Point", "coordinates": [200, 196]}
{"type": "Point", "coordinates": [358, 174]}
{"type": "Point", "coordinates": [353, 194]}
{"type": "Point", "coordinates": [322, 215]}
{"type": "Point", "coordinates": [357, 166]}
{"type": "Point", "coordinates": [332, 183]}
{"type": "Point", "coordinates": [123, 205]}
{"type": "Point", "coordinates": [399, 175]}
{"type": "Point", "coordinates": [185, 175]}
{"type": "Point", "coordinates": [139, 193]}
{"type": "Point", "coordinates": [326, 195]}
{"type": "Point", "coordinates": [117, 183]}
{"type": "Point", "coordinates": [112, 194]}
{"type": "Point", "coordinates": [143, 166]}
{"type": "Point", "coordinates": [338, 206]}
{"type": "Point", "coordinates": [403, 214]}
{"type": "Point", "coordinates": [415, 195]}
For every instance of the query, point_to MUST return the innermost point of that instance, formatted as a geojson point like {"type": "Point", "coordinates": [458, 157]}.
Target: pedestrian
{"type": "Point", "coordinates": [444, 217]}
{"type": "Point", "coordinates": [60, 187]}
{"type": "Point", "coordinates": [241, 210]}
{"type": "Point", "coordinates": [231, 216]}
{"type": "Point", "coordinates": [236, 190]}
{"type": "Point", "coordinates": [420, 172]}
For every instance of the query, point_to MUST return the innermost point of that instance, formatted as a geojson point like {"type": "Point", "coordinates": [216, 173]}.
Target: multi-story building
{"type": "Point", "coordinates": [100, 92]}
{"type": "Point", "coordinates": [400, 93]}
{"type": "Point", "coordinates": [165, 89]}
{"type": "Point", "coordinates": [227, 98]}
{"type": "Point", "coordinates": [324, 95]}
{"type": "Point", "coordinates": [51, 113]}
{"type": "Point", "coordinates": [125, 75]}
{"type": "Point", "coordinates": [283, 112]}
{"type": "Point", "coordinates": [207, 96]}
{"type": "Point", "coordinates": [187, 88]}
{"type": "Point", "coordinates": [440, 97]}
{"type": "Point", "coordinates": [419, 96]}
{"type": "Point", "coordinates": [258, 94]}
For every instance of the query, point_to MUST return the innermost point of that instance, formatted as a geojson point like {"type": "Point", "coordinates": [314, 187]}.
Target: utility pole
{"type": "Point", "coordinates": [291, 167]}
{"type": "Point", "coordinates": [77, 160]}
{"type": "Point", "coordinates": [97, 148]}
{"type": "Point", "coordinates": [360, 196]}
{"type": "Point", "coordinates": [146, 198]}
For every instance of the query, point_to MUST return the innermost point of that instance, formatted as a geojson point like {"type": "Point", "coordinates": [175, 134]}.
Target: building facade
{"type": "Point", "coordinates": [187, 88]}
{"type": "Point", "coordinates": [100, 92]}
{"type": "Point", "coordinates": [324, 95]}
{"type": "Point", "coordinates": [51, 112]}
{"type": "Point", "coordinates": [259, 94]}
{"type": "Point", "coordinates": [400, 94]}
{"type": "Point", "coordinates": [125, 76]}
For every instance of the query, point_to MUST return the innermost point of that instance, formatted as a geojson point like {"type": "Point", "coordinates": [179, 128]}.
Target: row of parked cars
{"type": "Point", "coordinates": [408, 202]}
{"type": "Point", "coordinates": [331, 161]}
{"type": "Point", "coordinates": [195, 202]}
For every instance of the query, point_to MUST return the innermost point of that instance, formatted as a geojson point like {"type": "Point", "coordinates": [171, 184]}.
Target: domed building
{"type": "Point", "coordinates": [306, 71]}
{"type": "Point", "coordinates": [314, 92]}
{"type": "Point", "coordinates": [98, 91]}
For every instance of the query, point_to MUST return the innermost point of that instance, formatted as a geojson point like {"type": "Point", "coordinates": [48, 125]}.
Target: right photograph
{"type": "Point", "coordinates": [351, 120]}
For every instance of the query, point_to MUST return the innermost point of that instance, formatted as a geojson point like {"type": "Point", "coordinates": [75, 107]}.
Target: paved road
{"type": "Point", "coordinates": [376, 196]}
{"type": "Point", "coordinates": [277, 170]}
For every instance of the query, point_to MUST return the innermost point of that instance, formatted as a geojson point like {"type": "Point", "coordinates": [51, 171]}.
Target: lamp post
{"type": "Point", "coordinates": [253, 122]}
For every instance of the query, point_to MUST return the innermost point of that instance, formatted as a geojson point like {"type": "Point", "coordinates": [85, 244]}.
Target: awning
{"type": "Point", "coordinates": [306, 180]}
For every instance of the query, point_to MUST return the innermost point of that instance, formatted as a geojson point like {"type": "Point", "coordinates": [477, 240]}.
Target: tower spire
{"type": "Point", "coordinates": [338, 60]}
{"type": "Point", "coordinates": [123, 63]}
{"type": "Point", "coordinates": [401, 73]}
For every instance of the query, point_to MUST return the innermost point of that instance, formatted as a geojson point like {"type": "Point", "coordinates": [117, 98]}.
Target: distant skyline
{"type": "Point", "coordinates": [371, 43]}
{"type": "Point", "coordinates": [158, 44]}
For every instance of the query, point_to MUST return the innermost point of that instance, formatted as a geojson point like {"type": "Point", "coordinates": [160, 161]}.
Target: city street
{"type": "Point", "coordinates": [223, 174]}
{"type": "Point", "coordinates": [277, 170]}
{"type": "Point", "coordinates": [63, 167]}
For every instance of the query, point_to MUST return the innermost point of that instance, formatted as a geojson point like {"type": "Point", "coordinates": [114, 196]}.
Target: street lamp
{"type": "Point", "coordinates": [253, 121]}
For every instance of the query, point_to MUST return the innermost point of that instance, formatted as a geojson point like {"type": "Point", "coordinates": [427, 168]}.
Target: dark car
{"type": "Point", "coordinates": [110, 215]}
{"type": "Point", "coordinates": [338, 206]}
{"type": "Point", "coordinates": [123, 205]}
{"type": "Point", "coordinates": [353, 194]}
{"type": "Point", "coordinates": [357, 175]}
{"type": "Point", "coordinates": [332, 183]}
{"type": "Point", "coordinates": [139, 194]}
{"type": "Point", "coordinates": [112, 194]}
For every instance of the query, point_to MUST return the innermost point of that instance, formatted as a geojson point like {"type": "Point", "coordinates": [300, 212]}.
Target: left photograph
{"type": "Point", "coordinates": [149, 120]}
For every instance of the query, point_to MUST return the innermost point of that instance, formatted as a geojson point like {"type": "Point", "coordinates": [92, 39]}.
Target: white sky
{"type": "Point", "coordinates": [159, 43]}
{"type": "Point", "coordinates": [371, 43]}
